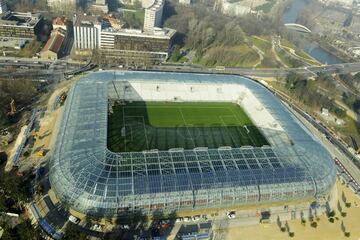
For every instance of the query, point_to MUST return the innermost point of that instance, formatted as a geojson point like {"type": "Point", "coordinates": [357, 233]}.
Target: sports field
{"type": "Point", "coordinates": [139, 126]}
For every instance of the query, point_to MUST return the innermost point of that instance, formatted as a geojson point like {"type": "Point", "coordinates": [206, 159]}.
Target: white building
{"type": "Point", "coordinates": [185, 2]}
{"type": "Point", "coordinates": [99, 5]}
{"type": "Point", "coordinates": [62, 5]}
{"type": "Point", "coordinates": [86, 32]}
{"type": "Point", "coordinates": [234, 8]}
{"type": "Point", "coordinates": [340, 3]}
{"type": "Point", "coordinates": [3, 7]}
{"type": "Point", "coordinates": [153, 14]}
{"type": "Point", "coordinates": [325, 112]}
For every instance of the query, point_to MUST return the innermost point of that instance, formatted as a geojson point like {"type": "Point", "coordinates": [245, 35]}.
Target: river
{"type": "Point", "coordinates": [312, 48]}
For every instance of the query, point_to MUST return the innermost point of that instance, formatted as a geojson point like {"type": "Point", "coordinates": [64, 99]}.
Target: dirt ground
{"type": "Point", "coordinates": [324, 231]}
{"type": "Point", "coordinates": [47, 124]}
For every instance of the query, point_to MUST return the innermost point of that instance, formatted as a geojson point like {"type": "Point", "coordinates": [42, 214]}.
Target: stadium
{"type": "Point", "coordinates": [150, 141]}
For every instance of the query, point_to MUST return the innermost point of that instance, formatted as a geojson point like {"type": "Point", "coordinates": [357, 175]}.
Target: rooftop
{"type": "Point", "coordinates": [165, 33]}
{"type": "Point", "coordinates": [59, 21]}
{"type": "Point", "coordinates": [152, 4]}
{"type": "Point", "coordinates": [89, 177]}
{"type": "Point", "coordinates": [86, 20]}
{"type": "Point", "coordinates": [54, 43]}
{"type": "Point", "coordinates": [20, 19]}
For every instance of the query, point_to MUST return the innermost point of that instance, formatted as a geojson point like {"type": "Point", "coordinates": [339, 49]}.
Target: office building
{"type": "Point", "coordinates": [86, 32]}
{"type": "Point", "coordinates": [3, 7]}
{"type": "Point", "coordinates": [19, 25]}
{"type": "Point", "coordinates": [153, 14]}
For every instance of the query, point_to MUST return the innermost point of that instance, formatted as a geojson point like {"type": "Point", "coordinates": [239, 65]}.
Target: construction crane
{"type": "Point", "coordinates": [12, 108]}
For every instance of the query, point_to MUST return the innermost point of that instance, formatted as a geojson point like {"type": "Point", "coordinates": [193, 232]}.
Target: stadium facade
{"type": "Point", "coordinates": [91, 179]}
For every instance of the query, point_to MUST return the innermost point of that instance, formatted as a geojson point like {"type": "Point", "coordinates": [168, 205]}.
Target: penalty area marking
{"type": "Point", "coordinates": [249, 135]}
{"type": "Point", "coordinates": [144, 126]}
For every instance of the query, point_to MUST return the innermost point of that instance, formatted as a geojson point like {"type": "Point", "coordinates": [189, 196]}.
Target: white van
{"type": "Point", "coordinates": [74, 219]}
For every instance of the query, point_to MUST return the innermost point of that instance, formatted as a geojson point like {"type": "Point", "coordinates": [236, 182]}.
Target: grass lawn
{"type": "Point", "coordinates": [299, 52]}
{"type": "Point", "coordinates": [350, 129]}
{"type": "Point", "coordinates": [29, 50]}
{"type": "Point", "coordinates": [288, 60]}
{"type": "Point", "coordinates": [142, 126]}
{"type": "Point", "coordinates": [262, 44]}
{"type": "Point", "coordinates": [237, 56]}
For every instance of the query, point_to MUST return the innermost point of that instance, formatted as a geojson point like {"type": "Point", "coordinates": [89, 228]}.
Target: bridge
{"type": "Point", "coordinates": [297, 27]}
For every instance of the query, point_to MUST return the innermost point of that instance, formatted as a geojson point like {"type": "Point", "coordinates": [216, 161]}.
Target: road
{"type": "Point", "coordinates": [65, 65]}
{"type": "Point", "coordinates": [330, 142]}
{"type": "Point", "coordinates": [269, 72]}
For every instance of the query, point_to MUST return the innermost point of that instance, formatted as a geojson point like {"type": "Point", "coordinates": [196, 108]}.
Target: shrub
{"type": "Point", "coordinates": [348, 204]}
{"type": "Point", "coordinates": [314, 224]}
{"type": "Point", "coordinates": [331, 220]}
{"type": "Point", "coordinates": [343, 214]}
{"type": "Point", "coordinates": [347, 234]}
{"type": "Point", "coordinates": [283, 229]}
{"type": "Point", "coordinates": [291, 234]}
{"type": "Point", "coordinates": [331, 214]}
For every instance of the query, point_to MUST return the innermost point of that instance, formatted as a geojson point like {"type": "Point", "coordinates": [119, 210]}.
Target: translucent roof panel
{"type": "Point", "coordinates": [89, 178]}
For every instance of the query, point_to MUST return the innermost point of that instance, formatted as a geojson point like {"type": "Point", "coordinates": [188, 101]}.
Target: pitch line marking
{"type": "Point", "coordinates": [182, 115]}
{"type": "Point", "coordinates": [249, 135]}
{"type": "Point", "coordinates": [229, 133]}
{"type": "Point", "coordinates": [124, 124]}
{"type": "Point", "coordinates": [144, 126]}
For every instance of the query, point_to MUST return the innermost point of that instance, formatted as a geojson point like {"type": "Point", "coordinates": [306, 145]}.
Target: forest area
{"type": "Point", "coordinates": [217, 39]}
{"type": "Point", "coordinates": [22, 91]}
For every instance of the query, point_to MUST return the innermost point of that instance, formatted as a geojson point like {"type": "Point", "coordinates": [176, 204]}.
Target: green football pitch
{"type": "Point", "coordinates": [139, 126]}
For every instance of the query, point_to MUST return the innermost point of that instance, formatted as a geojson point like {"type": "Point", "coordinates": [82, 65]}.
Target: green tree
{"type": "Point", "coordinates": [175, 55]}
{"type": "Point", "coordinates": [71, 233]}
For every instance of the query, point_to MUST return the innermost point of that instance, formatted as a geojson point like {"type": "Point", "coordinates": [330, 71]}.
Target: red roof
{"type": "Point", "coordinates": [59, 21]}
{"type": "Point", "coordinates": [54, 43]}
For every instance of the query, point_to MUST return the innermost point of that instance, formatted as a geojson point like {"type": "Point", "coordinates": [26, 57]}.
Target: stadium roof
{"type": "Point", "coordinates": [91, 179]}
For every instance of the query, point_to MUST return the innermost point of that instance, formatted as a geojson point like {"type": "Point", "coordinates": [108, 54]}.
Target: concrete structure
{"type": "Point", "coordinates": [89, 178]}
{"type": "Point", "coordinates": [59, 22]}
{"type": "Point", "coordinates": [297, 27]}
{"type": "Point", "coordinates": [52, 48]}
{"type": "Point", "coordinates": [123, 46]}
{"type": "Point", "coordinates": [339, 3]}
{"type": "Point", "coordinates": [100, 5]}
{"type": "Point", "coordinates": [86, 32]}
{"type": "Point", "coordinates": [3, 7]}
{"type": "Point", "coordinates": [133, 47]}
{"type": "Point", "coordinates": [232, 8]}
{"type": "Point", "coordinates": [66, 6]}
{"type": "Point", "coordinates": [325, 112]}
{"type": "Point", "coordinates": [153, 14]}
{"type": "Point", "coordinates": [185, 2]}
{"type": "Point", "coordinates": [20, 25]}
